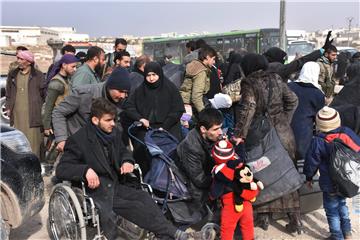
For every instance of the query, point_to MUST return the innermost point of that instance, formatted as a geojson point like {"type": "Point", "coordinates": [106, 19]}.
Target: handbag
{"type": "Point", "coordinates": [270, 163]}
{"type": "Point", "coordinates": [260, 125]}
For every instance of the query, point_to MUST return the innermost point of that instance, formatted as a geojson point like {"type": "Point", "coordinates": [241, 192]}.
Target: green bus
{"type": "Point", "coordinates": [254, 41]}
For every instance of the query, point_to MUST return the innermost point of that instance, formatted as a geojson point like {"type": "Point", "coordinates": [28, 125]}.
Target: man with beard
{"type": "Point", "coordinates": [96, 155]}
{"type": "Point", "coordinates": [121, 59]}
{"type": "Point", "coordinates": [58, 87]}
{"type": "Point", "coordinates": [120, 45]}
{"type": "Point", "coordinates": [326, 76]}
{"type": "Point", "coordinates": [24, 98]}
{"type": "Point", "coordinates": [195, 159]}
{"type": "Point", "coordinates": [73, 113]}
{"type": "Point", "coordinates": [88, 72]}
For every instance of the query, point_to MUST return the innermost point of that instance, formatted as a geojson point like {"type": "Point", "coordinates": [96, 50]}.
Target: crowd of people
{"type": "Point", "coordinates": [88, 103]}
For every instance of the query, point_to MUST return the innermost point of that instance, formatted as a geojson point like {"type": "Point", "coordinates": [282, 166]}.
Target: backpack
{"type": "Point", "coordinates": [344, 168]}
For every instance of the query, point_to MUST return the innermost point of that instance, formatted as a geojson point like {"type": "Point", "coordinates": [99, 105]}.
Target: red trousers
{"type": "Point", "coordinates": [230, 218]}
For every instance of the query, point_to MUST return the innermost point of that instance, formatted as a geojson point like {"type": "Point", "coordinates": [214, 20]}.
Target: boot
{"type": "Point", "coordinates": [262, 221]}
{"type": "Point", "coordinates": [295, 224]}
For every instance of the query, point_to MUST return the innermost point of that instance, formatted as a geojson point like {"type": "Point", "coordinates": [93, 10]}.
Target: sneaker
{"type": "Point", "coordinates": [348, 235]}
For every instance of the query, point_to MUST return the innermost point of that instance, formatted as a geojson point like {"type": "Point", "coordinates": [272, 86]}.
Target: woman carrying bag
{"type": "Point", "coordinates": [267, 103]}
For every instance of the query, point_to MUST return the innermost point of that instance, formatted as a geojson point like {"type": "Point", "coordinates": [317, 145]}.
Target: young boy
{"type": "Point", "coordinates": [328, 125]}
{"type": "Point", "coordinates": [227, 162]}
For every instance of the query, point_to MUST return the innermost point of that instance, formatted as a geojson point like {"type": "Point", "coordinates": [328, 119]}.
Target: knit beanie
{"type": "Point", "coordinates": [223, 151]}
{"type": "Point", "coordinates": [327, 119]}
{"type": "Point", "coordinates": [119, 80]}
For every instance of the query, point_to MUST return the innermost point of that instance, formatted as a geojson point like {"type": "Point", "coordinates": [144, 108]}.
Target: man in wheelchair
{"type": "Point", "coordinates": [96, 155]}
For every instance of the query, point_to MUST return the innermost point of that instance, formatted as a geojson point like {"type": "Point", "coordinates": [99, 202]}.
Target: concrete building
{"type": "Point", "coordinates": [28, 35]}
{"type": "Point", "coordinates": [5, 41]}
{"type": "Point", "coordinates": [68, 34]}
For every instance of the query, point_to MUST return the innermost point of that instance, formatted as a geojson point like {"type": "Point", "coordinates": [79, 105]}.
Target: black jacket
{"type": "Point", "coordinates": [83, 151]}
{"type": "Point", "coordinates": [284, 70]}
{"type": "Point", "coordinates": [196, 162]}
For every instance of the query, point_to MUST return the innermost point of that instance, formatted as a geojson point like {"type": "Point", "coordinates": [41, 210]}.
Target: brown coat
{"type": "Point", "coordinates": [254, 92]}
{"type": "Point", "coordinates": [36, 95]}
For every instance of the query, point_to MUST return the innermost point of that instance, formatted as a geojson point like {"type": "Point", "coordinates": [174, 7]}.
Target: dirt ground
{"type": "Point", "coordinates": [315, 225]}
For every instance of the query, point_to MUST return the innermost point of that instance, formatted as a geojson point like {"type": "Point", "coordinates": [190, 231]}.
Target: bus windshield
{"type": "Point", "coordinates": [300, 48]}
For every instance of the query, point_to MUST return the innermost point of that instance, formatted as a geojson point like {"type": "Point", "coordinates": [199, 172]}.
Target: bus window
{"type": "Point", "coordinates": [173, 49]}
{"type": "Point", "coordinates": [251, 44]}
{"type": "Point", "coordinates": [269, 39]}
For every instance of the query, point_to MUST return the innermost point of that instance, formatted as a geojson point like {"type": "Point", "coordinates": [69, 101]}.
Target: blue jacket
{"type": "Point", "coordinates": [318, 154]}
{"type": "Point", "coordinates": [311, 100]}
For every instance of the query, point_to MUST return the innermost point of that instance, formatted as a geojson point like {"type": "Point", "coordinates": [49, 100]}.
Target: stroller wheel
{"type": "Point", "coordinates": [210, 231]}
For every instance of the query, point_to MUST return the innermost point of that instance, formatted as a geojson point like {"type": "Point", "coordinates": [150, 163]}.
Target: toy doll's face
{"type": "Point", "coordinates": [246, 175]}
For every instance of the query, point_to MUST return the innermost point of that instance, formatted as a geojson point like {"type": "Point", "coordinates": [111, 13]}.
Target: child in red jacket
{"type": "Point", "coordinates": [234, 185]}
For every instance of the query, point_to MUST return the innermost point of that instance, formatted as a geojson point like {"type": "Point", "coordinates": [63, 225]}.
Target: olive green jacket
{"type": "Point", "coordinates": [196, 84]}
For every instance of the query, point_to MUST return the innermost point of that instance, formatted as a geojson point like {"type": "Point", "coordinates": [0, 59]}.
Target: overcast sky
{"type": "Point", "coordinates": [143, 18]}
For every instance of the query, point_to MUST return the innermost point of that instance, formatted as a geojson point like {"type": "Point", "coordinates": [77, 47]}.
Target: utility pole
{"type": "Point", "coordinates": [350, 20]}
{"type": "Point", "coordinates": [282, 26]}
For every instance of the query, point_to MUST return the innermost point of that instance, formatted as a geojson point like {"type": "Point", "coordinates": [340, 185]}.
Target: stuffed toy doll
{"type": "Point", "coordinates": [234, 184]}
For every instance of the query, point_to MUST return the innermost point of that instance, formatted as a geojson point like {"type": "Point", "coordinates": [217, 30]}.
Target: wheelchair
{"type": "Point", "coordinates": [73, 215]}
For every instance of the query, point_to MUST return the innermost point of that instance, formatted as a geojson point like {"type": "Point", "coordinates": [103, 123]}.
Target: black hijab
{"type": "Point", "coordinates": [253, 62]}
{"type": "Point", "coordinates": [155, 101]}
{"type": "Point", "coordinates": [233, 71]}
{"type": "Point", "coordinates": [275, 54]}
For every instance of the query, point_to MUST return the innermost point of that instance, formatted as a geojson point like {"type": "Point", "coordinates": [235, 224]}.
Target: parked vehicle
{"type": "Point", "coordinates": [22, 186]}
{"type": "Point", "coordinates": [3, 115]}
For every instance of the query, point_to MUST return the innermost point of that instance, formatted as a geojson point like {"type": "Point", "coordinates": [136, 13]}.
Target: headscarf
{"type": "Point", "coordinates": [275, 54]}
{"type": "Point", "coordinates": [26, 55]}
{"type": "Point", "coordinates": [310, 74]}
{"type": "Point", "coordinates": [67, 59]}
{"type": "Point", "coordinates": [155, 101]}
{"type": "Point", "coordinates": [233, 68]}
{"type": "Point", "coordinates": [154, 67]}
{"type": "Point", "coordinates": [350, 92]}
{"type": "Point", "coordinates": [253, 62]}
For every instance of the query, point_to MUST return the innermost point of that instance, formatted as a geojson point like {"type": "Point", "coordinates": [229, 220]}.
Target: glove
{"type": "Point", "coordinates": [328, 42]}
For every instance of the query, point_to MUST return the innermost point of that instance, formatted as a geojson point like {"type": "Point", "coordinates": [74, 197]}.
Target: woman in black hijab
{"type": "Point", "coordinates": [157, 104]}
{"type": "Point", "coordinates": [234, 70]}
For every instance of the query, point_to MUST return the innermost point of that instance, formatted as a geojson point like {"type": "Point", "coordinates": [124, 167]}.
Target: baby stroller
{"type": "Point", "coordinates": [168, 183]}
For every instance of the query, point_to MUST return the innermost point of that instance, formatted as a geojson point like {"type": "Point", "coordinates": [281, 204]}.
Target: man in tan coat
{"type": "Point", "coordinates": [24, 98]}
{"type": "Point", "coordinates": [197, 79]}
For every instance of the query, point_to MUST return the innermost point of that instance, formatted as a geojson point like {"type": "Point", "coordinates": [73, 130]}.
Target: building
{"type": "Point", "coordinates": [24, 35]}
{"type": "Point", "coordinates": [68, 34]}
{"type": "Point", "coordinates": [28, 35]}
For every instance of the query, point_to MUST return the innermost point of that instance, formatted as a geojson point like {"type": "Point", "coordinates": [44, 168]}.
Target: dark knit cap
{"type": "Point", "coordinates": [119, 80]}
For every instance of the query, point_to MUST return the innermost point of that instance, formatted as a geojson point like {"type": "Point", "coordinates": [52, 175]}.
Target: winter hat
{"type": "Point", "coordinates": [221, 100]}
{"type": "Point", "coordinates": [119, 80]}
{"type": "Point", "coordinates": [223, 151]}
{"type": "Point", "coordinates": [26, 55]}
{"type": "Point", "coordinates": [327, 119]}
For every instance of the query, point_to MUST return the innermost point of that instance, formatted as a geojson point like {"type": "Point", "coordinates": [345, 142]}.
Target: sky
{"type": "Point", "coordinates": [145, 18]}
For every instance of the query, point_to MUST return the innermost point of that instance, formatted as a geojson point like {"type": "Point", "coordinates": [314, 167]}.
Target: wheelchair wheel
{"type": "Point", "coordinates": [66, 220]}
{"type": "Point", "coordinates": [211, 231]}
